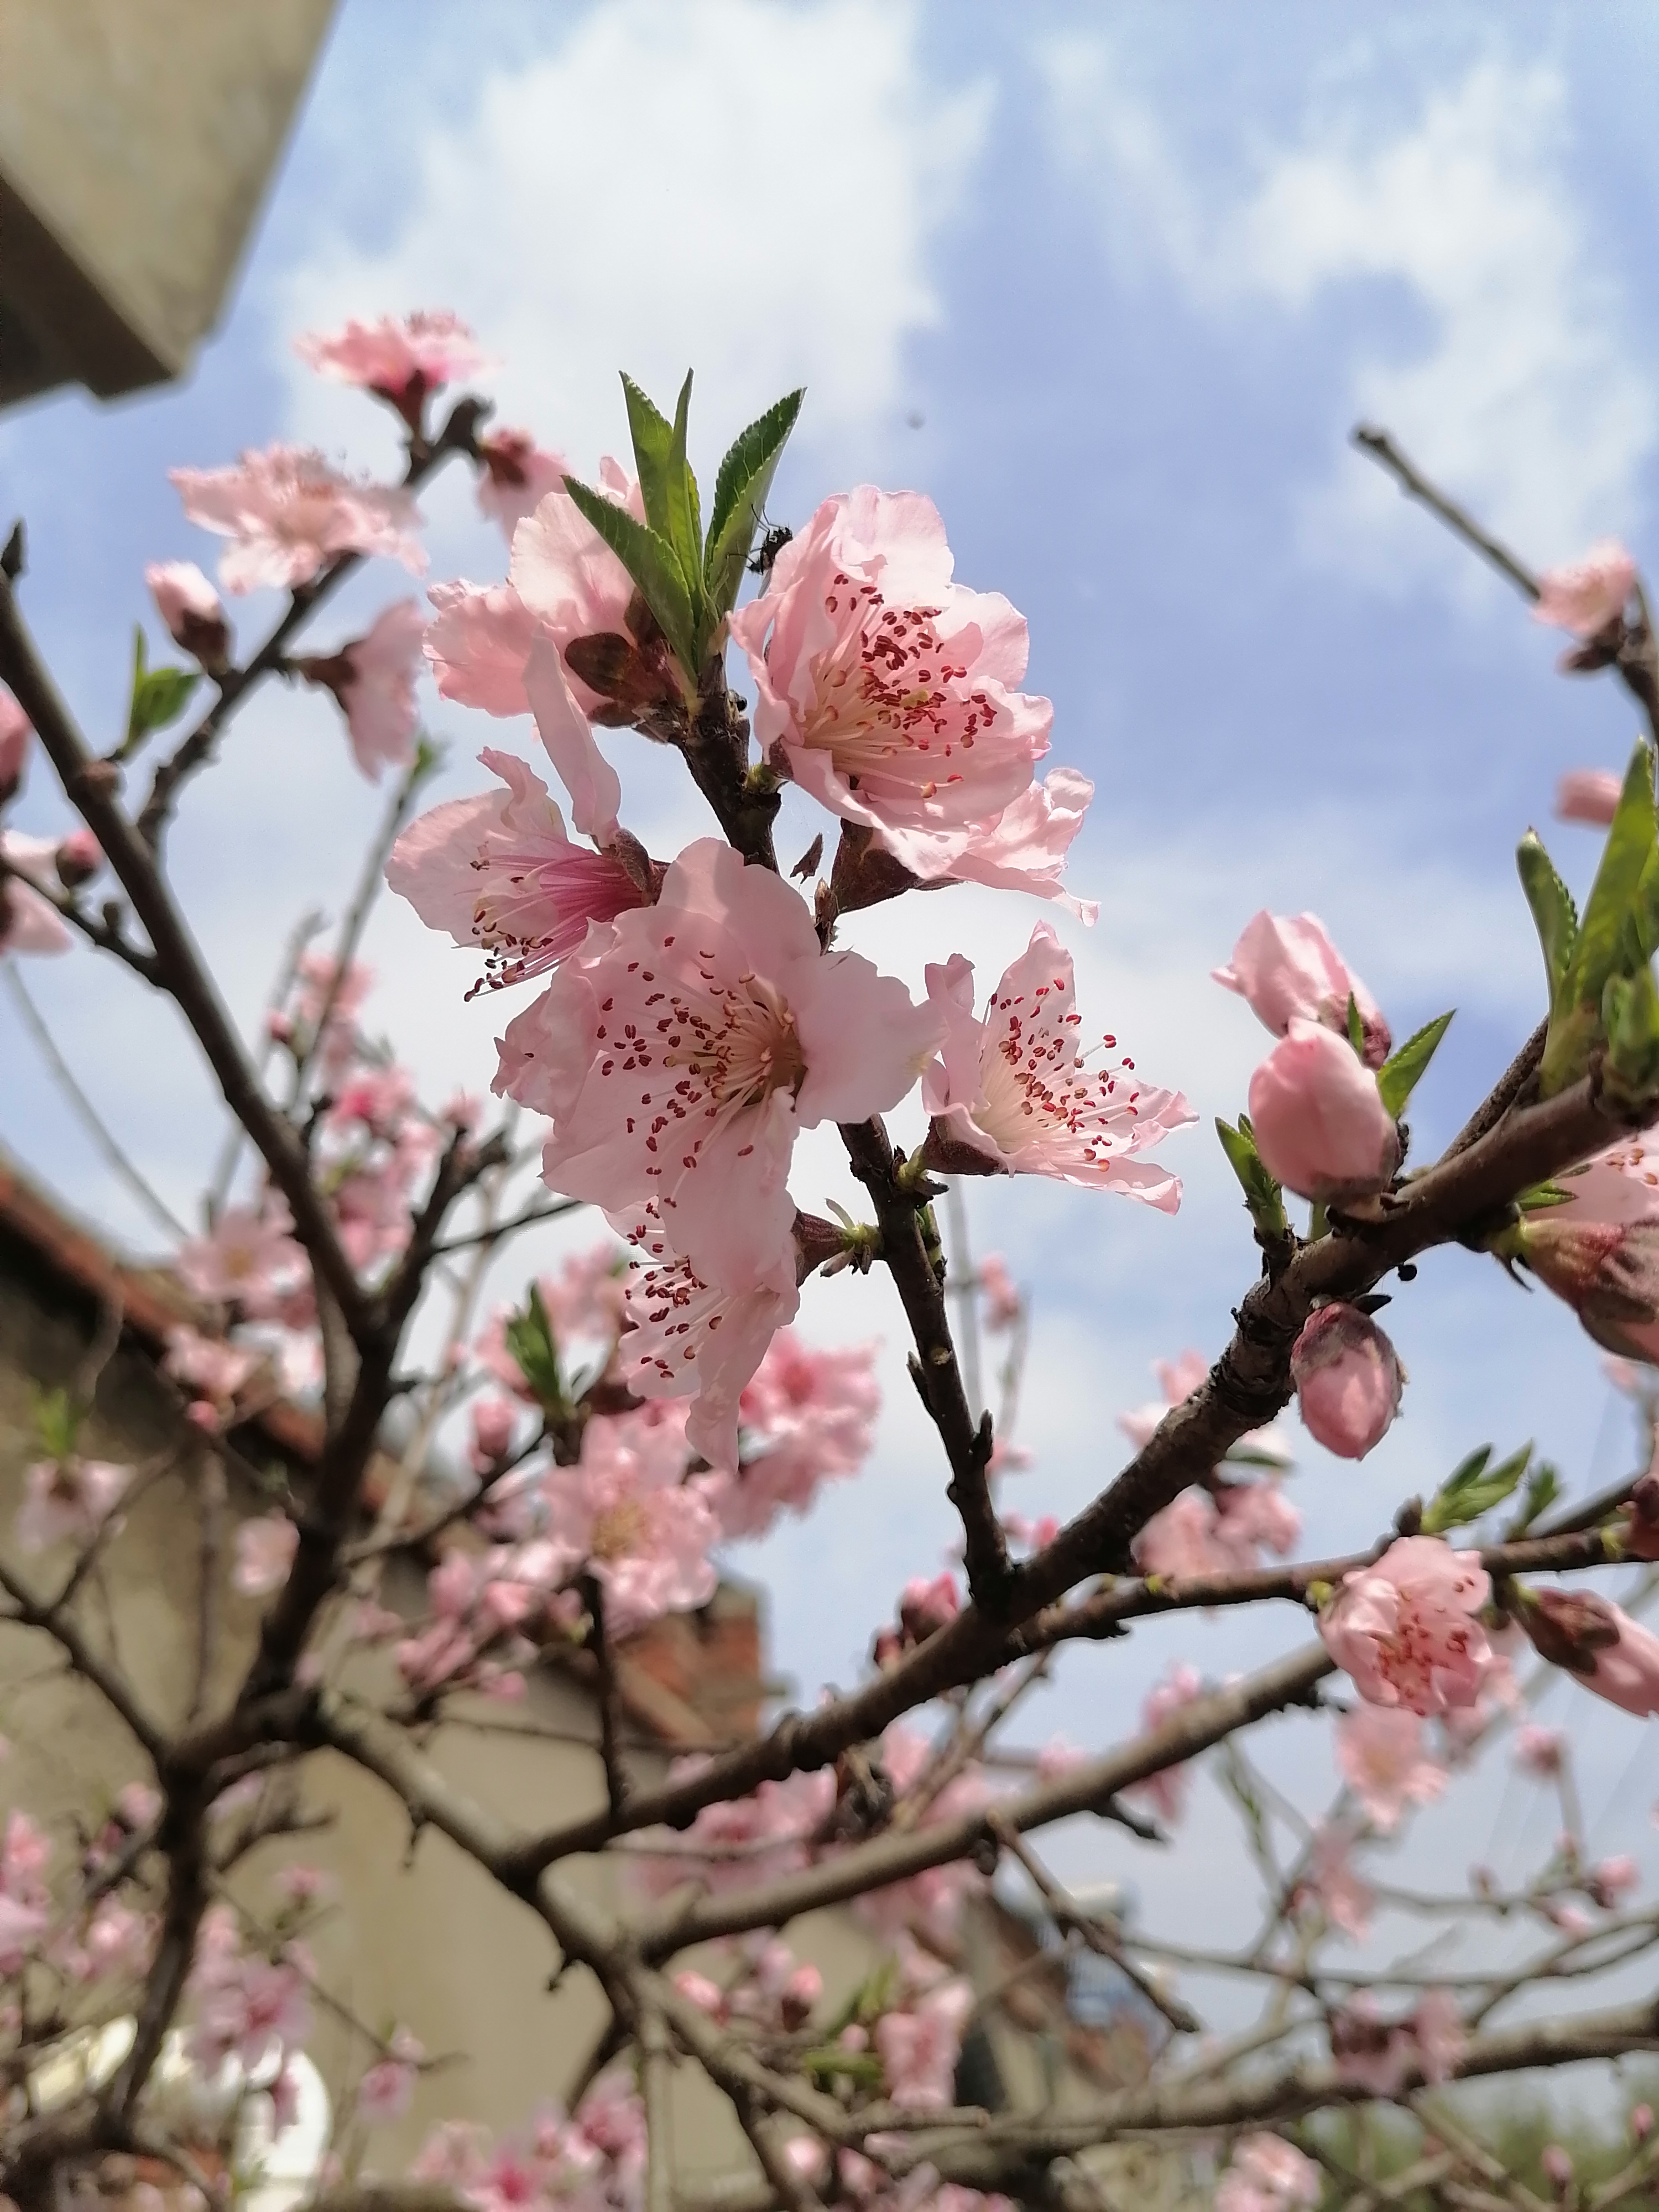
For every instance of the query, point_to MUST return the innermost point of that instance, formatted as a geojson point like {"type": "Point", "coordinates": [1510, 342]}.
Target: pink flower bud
{"type": "Point", "coordinates": [1586, 595]}
{"type": "Point", "coordinates": [1348, 1379]}
{"type": "Point", "coordinates": [1285, 967]}
{"type": "Point", "coordinates": [1608, 1270]}
{"type": "Point", "coordinates": [1641, 2123]}
{"type": "Point", "coordinates": [1321, 1126]}
{"type": "Point", "coordinates": [1589, 795]}
{"type": "Point", "coordinates": [78, 858]}
{"type": "Point", "coordinates": [494, 1420]}
{"type": "Point", "coordinates": [799, 1994]}
{"type": "Point", "coordinates": [925, 1607]}
{"type": "Point", "coordinates": [1606, 1650]}
{"type": "Point", "coordinates": [192, 610]}
{"type": "Point", "coordinates": [15, 730]}
{"type": "Point", "coordinates": [698, 1990]}
{"type": "Point", "coordinates": [1557, 2165]}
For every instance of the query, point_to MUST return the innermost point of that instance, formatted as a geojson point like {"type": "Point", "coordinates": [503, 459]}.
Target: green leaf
{"type": "Point", "coordinates": [1543, 1487]}
{"type": "Point", "coordinates": [1262, 1194]}
{"type": "Point", "coordinates": [159, 696]}
{"type": "Point", "coordinates": [1355, 1027]}
{"type": "Point", "coordinates": [1630, 1014]}
{"type": "Point", "coordinates": [1553, 913]}
{"type": "Point", "coordinates": [1399, 1074]}
{"type": "Point", "coordinates": [529, 1337]}
{"type": "Point", "coordinates": [684, 527]}
{"type": "Point", "coordinates": [651, 561]}
{"type": "Point", "coordinates": [740, 495]}
{"type": "Point", "coordinates": [1540, 1196]}
{"type": "Point", "coordinates": [56, 1423]}
{"type": "Point", "coordinates": [1474, 1488]}
{"type": "Point", "coordinates": [1609, 915]}
{"type": "Point", "coordinates": [653, 440]}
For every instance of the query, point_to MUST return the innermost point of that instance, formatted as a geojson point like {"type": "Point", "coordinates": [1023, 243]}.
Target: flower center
{"type": "Point", "coordinates": [884, 693]}
{"type": "Point", "coordinates": [618, 1529]}
{"type": "Point", "coordinates": [748, 1050]}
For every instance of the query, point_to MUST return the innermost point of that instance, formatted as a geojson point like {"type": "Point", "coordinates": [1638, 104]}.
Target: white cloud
{"type": "Point", "coordinates": [1490, 333]}
{"type": "Point", "coordinates": [747, 187]}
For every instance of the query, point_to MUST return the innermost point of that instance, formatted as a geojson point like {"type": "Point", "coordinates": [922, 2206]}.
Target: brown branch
{"type": "Point", "coordinates": [96, 932]}
{"type": "Point", "coordinates": [615, 1779]}
{"type": "Point", "coordinates": [683, 1920]}
{"type": "Point", "coordinates": [1383, 451]}
{"type": "Point", "coordinates": [1248, 1386]}
{"type": "Point", "coordinates": [116, 1691]}
{"type": "Point", "coordinates": [935, 1370]}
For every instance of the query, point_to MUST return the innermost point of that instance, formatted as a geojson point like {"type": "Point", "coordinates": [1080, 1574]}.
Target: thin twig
{"type": "Point", "coordinates": [1382, 450]}
{"type": "Point", "coordinates": [615, 1778]}
{"type": "Point", "coordinates": [96, 1127]}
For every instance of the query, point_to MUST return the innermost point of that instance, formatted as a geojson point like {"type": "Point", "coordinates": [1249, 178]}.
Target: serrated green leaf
{"type": "Point", "coordinates": [529, 1338]}
{"type": "Point", "coordinates": [1400, 1073]}
{"type": "Point", "coordinates": [1542, 1197]}
{"type": "Point", "coordinates": [1609, 915]}
{"type": "Point", "coordinates": [654, 439]}
{"type": "Point", "coordinates": [1630, 1015]}
{"type": "Point", "coordinates": [684, 527]}
{"type": "Point", "coordinates": [651, 561]}
{"type": "Point", "coordinates": [1474, 1488]}
{"type": "Point", "coordinates": [1543, 1487]}
{"type": "Point", "coordinates": [740, 495]}
{"type": "Point", "coordinates": [1553, 913]}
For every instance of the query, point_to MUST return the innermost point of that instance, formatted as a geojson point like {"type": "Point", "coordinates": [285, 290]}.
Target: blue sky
{"type": "Point", "coordinates": [1112, 284]}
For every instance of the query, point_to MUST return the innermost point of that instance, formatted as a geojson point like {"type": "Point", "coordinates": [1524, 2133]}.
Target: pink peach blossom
{"type": "Point", "coordinates": [594, 788]}
{"type": "Point", "coordinates": [1286, 967]}
{"type": "Point", "coordinates": [1584, 596]}
{"type": "Point", "coordinates": [919, 2048]}
{"type": "Point", "coordinates": [626, 1514]}
{"type": "Point", "coordinates": [885, 687]}
{"type": "Point", "coordinates": [207, 1365]}
{"type": "Point", "coordinates": [808, 1417]}
{"type": "Point", "coordinates": [192, 610]}
{"type": "Point", "coordinates": [1267, 2175]}
{"type": "Point", "coordinates": [1589, 795]}
{"type": "Point", "coordinates": [1336, 1884]}
{"type": "Point", "coordinates": [1022, 848]}
{"type": "Point", "coordinates": [67, 1500]}
{"type": "Point", "coordinates": [678, 1052]}
{"type": "Point", "coordinates": [567, 576]}
{"type": "Point", "coordinates": [1166, 1789]}
{"type": "Point", "coordinates": [478, 642]}
{"type": "Point", "coordinates": [1348, 1379]}
{"type": "Point", "coordinates": [493, 1422]}
{"type": "Point", "coordinates": [1178, 1379]}
{"type": "Point", "coordinates": [401, 358]}
{"type": "Point", "coordinates": [1320, 1123]}
{"type": "Point", "coordinates": [1012, 1091]}
{"type": "Point", "coordinates": [1406, 1629]}
{"type": "Point", "coordinates": [1439, 2031]}
{"type": "Point", "coordinates": [1003, 1304]}
{"type": "Point", "coordinates": [374, 680]}
{"type": "Point", "coordinates": [518, 477]}
{"type": "Point", "coordinates": [1600, 1251]}
{"type": "Point", "coordinates": [288, 514]}
{"type": "Point", "coordinates": [245, 2008]}
{"type": "Point", "coordinates": [684, 1338]}
{"type": "Point", "coordinates": [28, 923]}
{"type": "Point", "coordinates": [15, 730]}
{"type": "Point", "coordinates": [1381, 1753]}
{"type": "Point", "coordinates": [497, 871]}
{"type": "Point", "coordinates": [1606, 1650]}
{"type": "Point", "coordinates": [1540, 1750]}
{"type": "Point", "coordinates": [248, 1258]}
{"type": "Point", "coordinates": [387, 2088]}
{"type": "Point", "coordinates": [265, 1552]}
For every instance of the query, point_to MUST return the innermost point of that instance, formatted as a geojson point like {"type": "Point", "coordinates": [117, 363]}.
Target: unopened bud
{"type": "Point", "coordinates": [192, 610]}
{"type": "Point", "coordinates": [1607, 1271]}
{"type": "Point", "coordinates": [1641, 1531]}
{"type": "Point", "coordinates": [1641, 2122]}
{"type": "Point", "coordinates": [1569, 1628]}
{"type": "Point", "coordinates": [78, 858]}
{"type": "Point", "coordinates": [925, 1607]}
{"type": "Point", "coordinates": [15, 730]}
{"type": "Point", "coordinates": [1348, 1379]}
{"type": "Point", "coordinates": [1320, 1123]}
{"type": "Point", "coordinates": [1557, 2165]}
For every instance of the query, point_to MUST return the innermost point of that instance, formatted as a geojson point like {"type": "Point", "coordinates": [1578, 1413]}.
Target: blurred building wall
{"type": "Point", "coordinates": [136, 140]}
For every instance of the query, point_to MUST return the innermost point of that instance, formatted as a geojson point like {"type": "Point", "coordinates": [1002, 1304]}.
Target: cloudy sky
{"type": "Point", "coordinates": [1112, 284]}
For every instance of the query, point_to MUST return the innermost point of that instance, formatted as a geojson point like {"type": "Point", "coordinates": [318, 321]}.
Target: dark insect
{"type": "Point", "coordinates": [777, 537]}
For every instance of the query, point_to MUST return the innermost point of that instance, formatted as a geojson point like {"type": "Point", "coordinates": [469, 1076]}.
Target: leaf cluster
{"type": "Point", "coordinates": [689, 580]}
{"type": "Point", "coordinates": [1475, 1487]}
{"type": "Point", "coordinates": [159, 696]}
{"type": "Point", "coordinates": [1603, 1000]}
